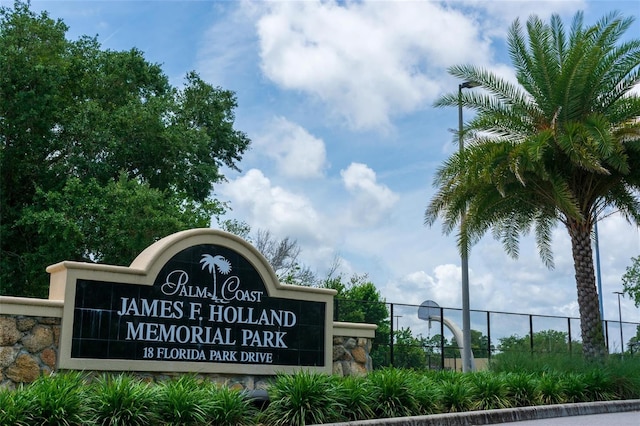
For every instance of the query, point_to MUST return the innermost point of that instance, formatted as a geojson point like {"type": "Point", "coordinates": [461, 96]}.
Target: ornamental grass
{"type": "Point", "coordinates": [307, 398]}
{"type": "Point", "coordinates": [123, 400]}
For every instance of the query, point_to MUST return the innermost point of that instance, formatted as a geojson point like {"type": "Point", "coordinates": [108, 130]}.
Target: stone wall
{"type": "Point", "coordinates": [29, 348]}
{"type": "Point", "coordinates": [351, 356]}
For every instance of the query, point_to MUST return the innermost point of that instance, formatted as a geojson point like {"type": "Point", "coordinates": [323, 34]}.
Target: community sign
{"type": "Point", "coordinates": [197, 301]}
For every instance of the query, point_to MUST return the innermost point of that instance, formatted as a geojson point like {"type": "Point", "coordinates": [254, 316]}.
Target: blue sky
{"type": "Point", "coordinates": [337, 99]}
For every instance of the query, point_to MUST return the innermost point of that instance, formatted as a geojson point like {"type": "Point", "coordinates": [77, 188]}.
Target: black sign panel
{"type": "Point", "coordinates": [207, 304]}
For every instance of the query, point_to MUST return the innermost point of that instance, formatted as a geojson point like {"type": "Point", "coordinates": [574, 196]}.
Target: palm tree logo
{"type": "Point", "coordinates": [223, 266]}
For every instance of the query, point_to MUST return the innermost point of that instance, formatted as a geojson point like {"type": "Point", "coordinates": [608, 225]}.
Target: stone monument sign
{"type": "Point", "coordinates": [196, 301]}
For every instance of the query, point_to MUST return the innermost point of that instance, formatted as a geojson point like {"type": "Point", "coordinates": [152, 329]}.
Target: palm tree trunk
{"type": "Point", "coordinates": [593, 346]}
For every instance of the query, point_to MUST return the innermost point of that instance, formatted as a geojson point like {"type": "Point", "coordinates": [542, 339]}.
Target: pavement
{"type": "Point", "coordinates": [613, 413]}
{"type": "Point", "coordinates": [629, 418]}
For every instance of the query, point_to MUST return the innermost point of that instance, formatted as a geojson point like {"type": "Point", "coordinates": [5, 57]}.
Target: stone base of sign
{"type": "Point", "coordinates": [351, 356]}
{"type": "Point", "coordinates": [30, 338]}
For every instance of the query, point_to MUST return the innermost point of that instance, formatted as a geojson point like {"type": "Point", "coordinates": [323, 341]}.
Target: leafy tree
{"type": "Point", "coordinates": [236, 227]}
{"type": "Point", "coordinates": [631, 280]}
{"type": "Point", "coordinates": [435, 343]}
{"type": "Point", "coordinates": [544, 342]}
{"type": "Point", "coordinates": [83, 212]}
{"type": "Point", "coordinates": [633, 346]}
{"type": "Point", "coordinates": [409, 351]}
{"type": "Point", "coordinates": [419, 352]}
{"type": "Point", "coordinates": [479, 346]}
{"type": "Point", "coordinates": [434, 346]}
{"type": "Point", "coordinates": [100, 155]}
{"type": "Point", "coordinates": [360, 301]}
{"type": "Point", "coordinates": [560, 146]}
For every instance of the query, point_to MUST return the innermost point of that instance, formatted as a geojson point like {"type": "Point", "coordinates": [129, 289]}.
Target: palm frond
{"type": "Point", "coordinates": [545, 222]}
{"type": "Point", "coordinates": [552, 148]}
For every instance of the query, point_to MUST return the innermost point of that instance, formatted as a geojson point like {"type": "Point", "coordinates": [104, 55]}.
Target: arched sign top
{"type": "Point", "coordinates": [198, 300]}
{"type": "Point", "coordinates": [156, 256]}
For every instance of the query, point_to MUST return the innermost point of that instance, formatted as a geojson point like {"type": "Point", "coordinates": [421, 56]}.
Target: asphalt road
{"type": "Point", "coordinates": [629, 418]}
{"type": "Point", "coordinates": [607, 413]}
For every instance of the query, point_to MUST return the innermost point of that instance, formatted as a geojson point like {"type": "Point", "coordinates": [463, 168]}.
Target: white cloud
{"type": "Point", "coordinates": [372, 201]}
{"type": "Point", "coordinates": [298, 154]}
{"type": "Point", "coordinates": [272, 207]}
{"type": "Point", "coordinates": [366, 61]}
{"type": "Point", "coordinates": [507, 11]}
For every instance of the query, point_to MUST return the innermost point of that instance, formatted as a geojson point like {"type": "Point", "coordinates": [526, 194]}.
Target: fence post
{"type": "Point", "coordinates": [531, 332]}
{"type": "Point", "coordinates": [569, 333]}
{"type": "Point", "coordinates": [442, 338]}
{"type": "Point", "coordinates": [488, 335]}
{"type": "Point", "coordinates": [391, 336]}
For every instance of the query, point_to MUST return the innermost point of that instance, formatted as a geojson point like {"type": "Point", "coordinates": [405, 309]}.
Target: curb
{"type": "Point", "coordinates": [489, 417]}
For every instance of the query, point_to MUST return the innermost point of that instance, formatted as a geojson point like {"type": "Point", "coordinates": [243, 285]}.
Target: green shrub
{"type": "Point", "coordinates": [358, 399]}
{"type": "Point", "coordinates": [230, 407]}
{"type": "Point", "coordinates": [625, 374]}
{"type": "Point", "coordinates": [490, 391]}
{"type": "Point", "coordinates": [393, 393]}
{"type": "Point", "coordinates": [457, 395]}
{"type": "Point", "coordinates": [13, 407]}
{"type": "Point", "coordinates": [522, 389]}
{"type": "Point", "coordinates": [302, 398]}
{"type": "Point", "coordinates": [59, 399]}
{"type": "Point", "coordinates": [184, 401]}
{"type": "Point", "coordinates": [599, 385]}
{"type": "Point", "coordinates": [525, 362]}
{"type": "Point", "coordinates": [444, 376]}
{"type": "Point", "coordinates": [428, 394]}
{"type": "Point", "coordinates": [574, 388]}
{"type": "Point", "coordinates": [122, 400]}
{"type": "Point", "coordinates": [550, 389]}
{"type": "Point", "coordinates": [305, 397]}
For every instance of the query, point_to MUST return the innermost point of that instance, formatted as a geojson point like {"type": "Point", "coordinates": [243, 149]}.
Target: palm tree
{"type": "Point", "coordinates": [560, 146]}
{"type": "Point", "coordinates": [222, 265]}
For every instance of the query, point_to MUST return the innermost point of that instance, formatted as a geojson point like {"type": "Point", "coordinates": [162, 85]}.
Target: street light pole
{"type": "Point", "coordinates": [620, 322]}
{"type": "Point", "coordinates": [396, 317]}
{"type": "Point", "coordinates": [464, 256]}
{"type": "Point", "coordinates": [598, 275]}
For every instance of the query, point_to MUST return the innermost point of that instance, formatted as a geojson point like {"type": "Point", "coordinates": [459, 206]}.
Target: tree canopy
{"type": "Point", "coordinates": [542, 342]}
{"type": "Point", "coordinates": [559, 146]}
{"type": "Point", "coordinates": [100, 156]}
{"type": "Point", "coordinates": [631, 280]}
{"type": "Point", "coordinates": [360, 301]}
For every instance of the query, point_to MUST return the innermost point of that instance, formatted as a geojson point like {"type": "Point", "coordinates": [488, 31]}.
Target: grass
{"type": "Point", "coordinates": [550, 389]}
{"type": "Point", "coordinates": [357, 398]}
{"type": "Point", "coordinates": [305, 397]}
{"type": "Point", "coordinates": [57, 400]}
{"type": "Point", "coordinates": [457, 396]}
{"type": "Point", "coordinates": [427, 393]}
{"type": "Point", "coordinates": [522, 388]}
{"type": "Point", "coordinates": [393, 393]}
{"type": "Point", "coordinates": [230, 408]}
{"type": "Point", "coordinates": [575, 388]}
{"type": "Point", "coordinates": [183, 401]}
{"type": "Point", "coordinates": [13, 407]}
{"type": "Point", "coordinates": [123, 400]}
{"type": "Point", "coordinates": [490, 391]}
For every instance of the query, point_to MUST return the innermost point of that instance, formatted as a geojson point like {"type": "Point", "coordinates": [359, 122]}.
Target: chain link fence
{"type": "Point", "coordinates": [409, 336]}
